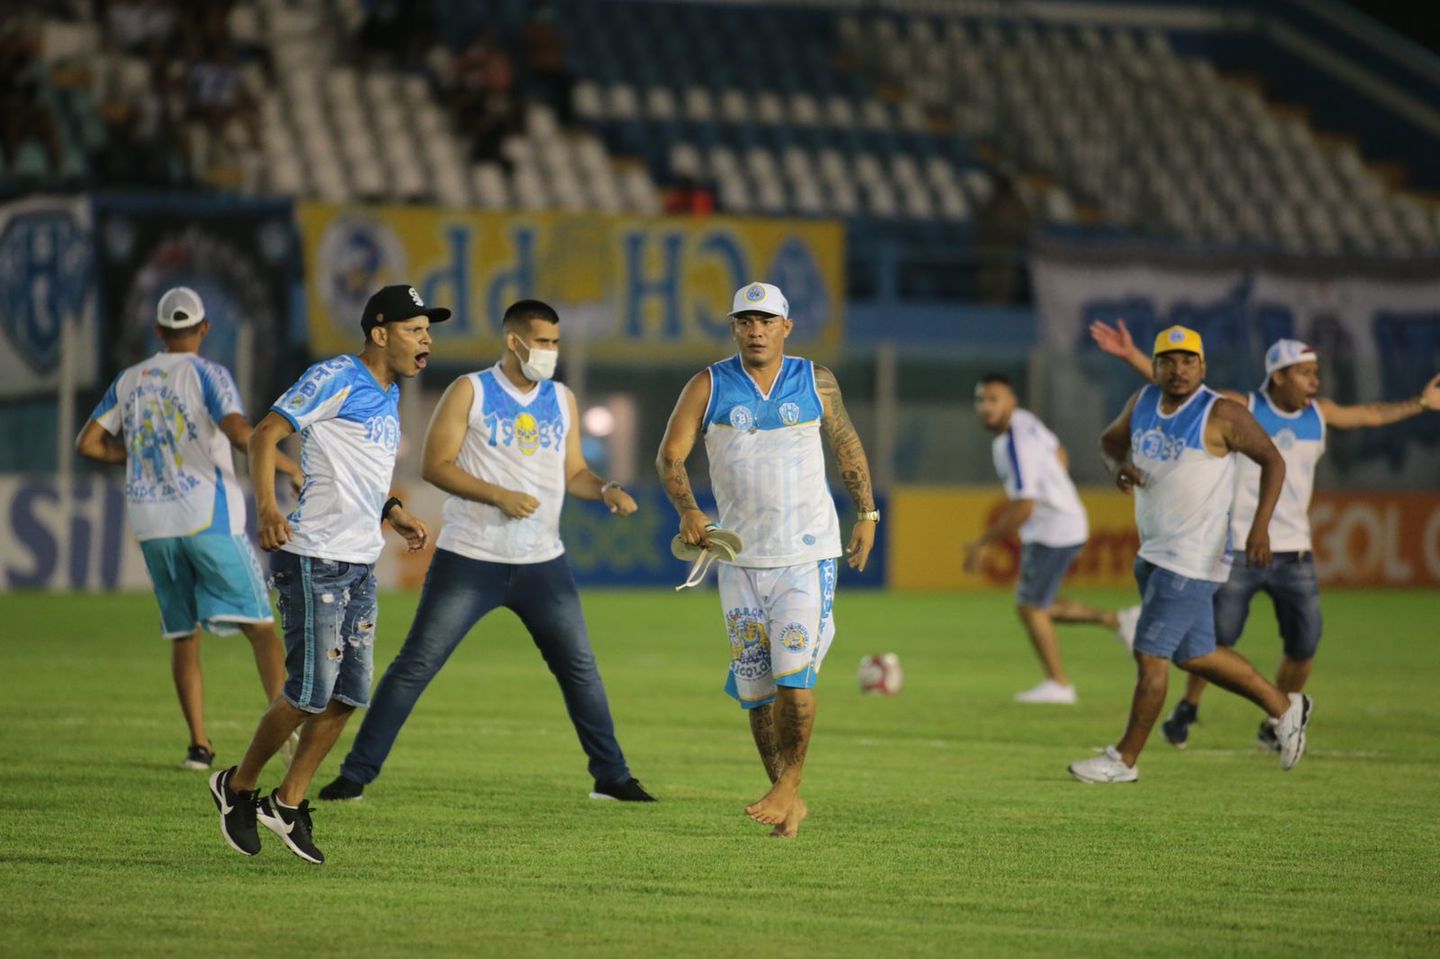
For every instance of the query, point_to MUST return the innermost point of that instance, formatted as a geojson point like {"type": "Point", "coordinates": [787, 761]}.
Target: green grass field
{"type": "Point", "coordinates": [943, 821]}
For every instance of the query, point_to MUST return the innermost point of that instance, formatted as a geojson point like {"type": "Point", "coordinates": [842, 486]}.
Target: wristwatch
{"type": "Point", "coordinates": [872, 515]}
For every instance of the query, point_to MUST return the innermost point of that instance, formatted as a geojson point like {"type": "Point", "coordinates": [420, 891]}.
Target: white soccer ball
{"type": "Point", "coordinates": [880, 674]}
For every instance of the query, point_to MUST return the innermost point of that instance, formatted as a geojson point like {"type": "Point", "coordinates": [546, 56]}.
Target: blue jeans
{"type": "Point", "coordinates": [1291, 584]}
{"type": "Point", "coordinates": [1042, 570]}
{"type": "Point", "coordinates": [1177, 614]}
{"type": "Point", "coordinates": [328, 609]}
{"type": "Point", "coordinates": [459, 591]}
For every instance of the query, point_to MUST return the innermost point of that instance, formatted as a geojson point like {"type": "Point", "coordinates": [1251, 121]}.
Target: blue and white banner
{"type": "Point", "coordinates": [46, 281]}
{"type": "Point", "coordinates": [1376, 329]}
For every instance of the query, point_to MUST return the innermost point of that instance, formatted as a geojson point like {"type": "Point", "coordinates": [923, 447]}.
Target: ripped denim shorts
{"type": "Point", "coordinates": [328, 610]}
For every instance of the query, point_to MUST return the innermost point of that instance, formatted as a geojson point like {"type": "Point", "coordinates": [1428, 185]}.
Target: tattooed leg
{"type": "Point", "coordinates": [794, 720]}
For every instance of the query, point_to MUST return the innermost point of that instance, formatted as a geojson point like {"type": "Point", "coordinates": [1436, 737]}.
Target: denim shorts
{"type": "Point", "coordinates": [1177, 613]}
{"type": "Point", "coordinates": [1042, 570]}
{"type": "Point", "coordinates": [1291, 584]}
{"type": "Point", "coordinates": [328, 610]}
{"type": "Point", "coordinates": [211, 578]}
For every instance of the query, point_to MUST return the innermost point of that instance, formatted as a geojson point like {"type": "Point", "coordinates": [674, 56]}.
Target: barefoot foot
{"type": "Point", "coordinates": [773, 808]}
{"type": "Point", "coordinates": [790, 828]}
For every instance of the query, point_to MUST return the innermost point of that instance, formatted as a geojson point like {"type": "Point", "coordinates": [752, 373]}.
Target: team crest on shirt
{"type": "Point", "coordinates": [741, 418]}
{"type": "Point", "coordinates": [794, 637]}
{"type": "Point", "coordinates": [1285, 439]}
{"type": "Point", "coordinates": [789, 413]}
{"type": "Point", "coordinates": [1155, 445]}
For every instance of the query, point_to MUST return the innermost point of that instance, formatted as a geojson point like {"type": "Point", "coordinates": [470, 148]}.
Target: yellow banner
{"type": "Point", "coordinates": [930, 527]}
{"type": "Point", "coordinates": [637, 288]}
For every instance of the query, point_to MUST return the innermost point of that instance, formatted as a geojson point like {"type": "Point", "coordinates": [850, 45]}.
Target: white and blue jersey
{"type": "Point", "coordinates": [1183, 510]}
{"type": "Point", "coordinates": [514, 440]}
{"type": "Point", "coordinates": [1027, 460]}
{"type": "Point", "coordinates": [179, 471]}
{"type": "Point", "coordinates": [767, 468]}
{"type": "Point", "coordinates": [1300, 438]}
{"type": "Point", "coordinates": [349, 433]}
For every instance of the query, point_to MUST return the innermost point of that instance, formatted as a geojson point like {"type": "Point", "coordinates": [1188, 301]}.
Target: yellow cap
{"type": "Point", "coordinates": [1179, 338]}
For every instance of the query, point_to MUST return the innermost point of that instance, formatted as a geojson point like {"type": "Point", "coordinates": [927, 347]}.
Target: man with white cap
{"type": "Point", "coordinates": [1287, 407]}
{"type": "Point", "coordinates": [172, 421]}
{"type": "Point", "coordinates": [1173, 447]}
{"type": "Point", "coordinates": [762, 414]}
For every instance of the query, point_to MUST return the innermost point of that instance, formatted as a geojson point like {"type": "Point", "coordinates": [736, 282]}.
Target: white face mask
{"type": "Point", "coordinates": [540, 366]}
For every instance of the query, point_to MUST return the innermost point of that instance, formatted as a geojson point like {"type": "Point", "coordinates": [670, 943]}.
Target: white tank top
{"type": "Point", "coordinates": [1300, 438]}
{"type": "Point", "coordinates": [517, 441]}
{"type": "Point", "coordinates": [1183, 510]}
{"type": "Point", "coordinates": [767, 468]}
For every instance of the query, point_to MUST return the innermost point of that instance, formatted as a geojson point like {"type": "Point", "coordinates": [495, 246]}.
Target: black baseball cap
{"type": "Point", "coordinates": [399, 302]}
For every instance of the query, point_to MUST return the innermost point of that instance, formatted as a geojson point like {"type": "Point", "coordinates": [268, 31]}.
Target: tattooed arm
{"type": "Point", "coordinates": [1380, 414]}
{"type": "Point", "coordinates": [680, 434]}
{"type": "Point", "coordinates": [854, 468]}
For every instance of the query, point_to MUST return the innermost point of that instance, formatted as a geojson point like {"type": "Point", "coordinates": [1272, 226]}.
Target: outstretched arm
{"type": "Point", "coordinates": [680, 434]}
{"type": "Point", "coordinates": [1116, 341]}
{"type": "Point", "coordinates": [1115, 449]}
{"type": "Point", "coordinates": [96, 443]}
{"type": "Point", "coordinates": [1242, 434]}
{"type": "Point", "coordinates": [854, 467]}
{"type": "Point", "coordinates": [1380, 414]}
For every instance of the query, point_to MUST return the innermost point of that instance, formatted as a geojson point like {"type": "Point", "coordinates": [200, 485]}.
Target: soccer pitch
{"type": "Point", "coordinates": [942, 820]}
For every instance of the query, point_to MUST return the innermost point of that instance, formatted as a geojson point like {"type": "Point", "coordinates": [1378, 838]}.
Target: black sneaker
{"type": "Point", "coordinates": [1177, 727]}
{"type": "Point", "coordinates": [198, 757]}
{"type": "Point", "coordinates": [291, 825]}
{"type": "Point", "coordinates": [628, 791]}
{"type": "Point", "coordinates": [1266, 738]}
{"type": "Point", "coordinates": [342, 789]}
{"type": "Point", "coordinates": [237, 813]}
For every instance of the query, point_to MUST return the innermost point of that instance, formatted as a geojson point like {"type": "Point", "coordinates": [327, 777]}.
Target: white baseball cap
{"type": "Point", "coordinates": [1283, 353]}
{"type": "Point", "coordinates": [760, 297]}
{"type": "Point", "coordinates": [180, 308]}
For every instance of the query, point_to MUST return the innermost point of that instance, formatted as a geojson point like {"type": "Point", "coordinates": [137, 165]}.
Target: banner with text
{"type": "Point", "coordinates": [1377, 334]}
{"type": "Point", "coordinates": [634, 288]}
{"type": "Point", "coordinates": [1360, 539]}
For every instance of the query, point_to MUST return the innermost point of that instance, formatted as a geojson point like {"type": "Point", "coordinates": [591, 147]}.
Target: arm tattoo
{"type": "Point", "coordinates": [677, 484]}
{"type": "Point", "coordinates": [849, 453]}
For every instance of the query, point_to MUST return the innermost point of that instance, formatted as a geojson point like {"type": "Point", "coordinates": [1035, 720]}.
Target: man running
{"type": "Point", "coordinates": [1172, 445]}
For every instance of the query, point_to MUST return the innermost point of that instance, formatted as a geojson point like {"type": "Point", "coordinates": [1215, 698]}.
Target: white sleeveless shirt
{"type": "Point", "coordinates": [767, 467]}
{"type": "Point", "coordinates": [1183, 510]}
{"type": "Point", "coordinates": [1300, 438]}
{"type": "Point", "coordinates": [514, 440]}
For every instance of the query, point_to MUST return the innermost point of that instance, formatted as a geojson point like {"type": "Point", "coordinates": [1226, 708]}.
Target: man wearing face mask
{"type": "Point", "coordinates": [505, 444]}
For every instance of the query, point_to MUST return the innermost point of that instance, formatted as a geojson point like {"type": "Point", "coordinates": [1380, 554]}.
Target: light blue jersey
{"type": "Point", "coordinates": [179, 471]}
{"type": "Point", "coordinates": [767, 468]}
{"type": "Point", "coordinates": [349, 434]}
{"type": "Point", "coordinates": [1300, 438]}
{"type": "Point", "coordinates": [1183, 510]}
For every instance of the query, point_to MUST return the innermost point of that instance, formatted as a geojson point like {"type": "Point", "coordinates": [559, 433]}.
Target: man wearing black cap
{"type": "Point", "coordinates": [347, 412]}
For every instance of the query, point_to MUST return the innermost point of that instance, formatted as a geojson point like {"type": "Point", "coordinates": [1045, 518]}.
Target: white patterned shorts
{"type": "Point", "coordinates": [780, 622]}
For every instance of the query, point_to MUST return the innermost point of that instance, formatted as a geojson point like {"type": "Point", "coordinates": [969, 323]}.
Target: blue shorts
{"type": "Point", "coordinates": [1042, 570]}
{"type": "Point", "coordinates": [1177, 614]}
{"type": "Point", "coordinates": [1291, 584]}
{"type": "Point", "coordinates": [212, 579]}
{"type": "Point", "coordinates": [328, 609]}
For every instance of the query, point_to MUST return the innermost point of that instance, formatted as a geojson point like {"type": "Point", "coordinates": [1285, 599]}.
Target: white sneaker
{"type": "Point", "coordinates": [1108, 767]}
{"type": "Point", "coordinates": [1125, 630]}
{"type": "Point", "coordinates": [1290, 729]}
{"type": "Point", "coordinates": [1048, 692]}
{"type": "Point", "coordinates": [287, 750]}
